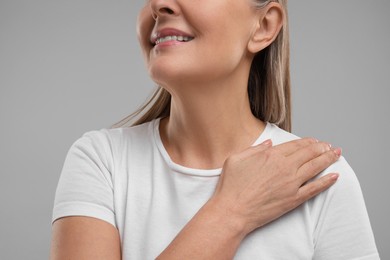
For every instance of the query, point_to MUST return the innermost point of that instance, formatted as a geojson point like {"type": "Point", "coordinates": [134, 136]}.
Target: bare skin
{"type": "Point", "coordinates": [84, 238]}
{"type": "Point", "coordinates": [211, 126]}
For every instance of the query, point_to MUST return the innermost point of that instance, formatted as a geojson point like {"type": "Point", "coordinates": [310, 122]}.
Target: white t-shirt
{"type": "Point", "coordinates": [126, 177]}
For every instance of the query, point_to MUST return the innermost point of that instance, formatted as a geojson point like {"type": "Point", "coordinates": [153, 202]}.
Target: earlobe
{"type": "Point", "coordinates": [267, 28]}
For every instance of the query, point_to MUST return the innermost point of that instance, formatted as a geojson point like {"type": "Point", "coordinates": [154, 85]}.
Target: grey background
{"type": "Point", "coordinates": [67, 67]}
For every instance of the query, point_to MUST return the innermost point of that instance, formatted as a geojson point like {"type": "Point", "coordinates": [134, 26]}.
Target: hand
{"type": "Point", "coordinates": [263, 182]}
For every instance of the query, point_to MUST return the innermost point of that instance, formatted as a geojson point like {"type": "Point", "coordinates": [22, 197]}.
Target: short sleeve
{"type": "Point", "coordinates": [341, 225]}
{"type": "Point", "coordinates": [85, 187]}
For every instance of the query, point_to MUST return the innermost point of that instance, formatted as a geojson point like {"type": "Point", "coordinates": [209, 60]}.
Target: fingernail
{"type": "Point", "coordinates": [267, 142]}
{"type": "Point", "coordinates": [334, 176]}
{"type": "Point", "coordinates": [337, 151]}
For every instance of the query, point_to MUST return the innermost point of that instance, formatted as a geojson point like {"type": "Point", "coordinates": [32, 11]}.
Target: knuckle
{"type": "Point", "coordinates": [270, 153]}
{"type": "Point", "coordinates": [320, 148]}
{"type": "Point", "coordinates": [232, 160]}
{"type": "Point", "coordinates": [329, 158]}
{"type": "Point", "coordinates": [300, 143]}
{"type": "Point", "coordinates": [311, 140]}
{"type": "Point", "coordinates": [311, 150]}
{"type": "Point", "coordinates": [326, 147]}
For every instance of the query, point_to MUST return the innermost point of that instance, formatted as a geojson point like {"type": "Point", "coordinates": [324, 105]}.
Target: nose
{"type": "Point", "coordinates": [162, 8]}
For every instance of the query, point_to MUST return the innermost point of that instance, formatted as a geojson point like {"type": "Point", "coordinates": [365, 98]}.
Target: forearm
{"type": "Point", "coordinates": [211, 234]}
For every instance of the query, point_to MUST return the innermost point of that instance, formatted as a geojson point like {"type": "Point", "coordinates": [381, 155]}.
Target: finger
{"type": "Point", "coordinates": [313, 167]}
{"type": "Point", "coordinates": [260, 147]}
{"type": "Point", "coordinates": [313, 188]}
{"type": "Point", "coordinates": [264, 145]}
{"type": "Point", "coordinates": [291, 147]}
{"type": "Point", "coordinates": [308, 153]}
{"type": "Point", "coordinates": [257, 148]}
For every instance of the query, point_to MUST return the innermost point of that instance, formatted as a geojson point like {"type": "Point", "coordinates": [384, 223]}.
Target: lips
{"type": "Point", "coordinates": [169, 34]}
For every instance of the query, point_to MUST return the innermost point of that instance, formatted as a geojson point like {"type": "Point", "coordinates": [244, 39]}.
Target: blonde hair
{"type": "Point", "coordinates": [268, 84]}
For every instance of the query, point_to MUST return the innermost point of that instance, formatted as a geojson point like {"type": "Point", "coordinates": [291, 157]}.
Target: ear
{"type": "Point", "coordinates": [268, 25]}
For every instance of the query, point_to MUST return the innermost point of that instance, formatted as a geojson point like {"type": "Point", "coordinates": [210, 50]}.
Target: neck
{"type": "Point", "coordinates": [208, 123]}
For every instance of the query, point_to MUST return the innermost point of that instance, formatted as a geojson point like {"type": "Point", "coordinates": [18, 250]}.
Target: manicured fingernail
{"type": "Point", "coordinates": [267, 142]}
{"type": "Point", "coordinates": [337, 151]}
{"type": "Point", "coordinates": [334, 176]}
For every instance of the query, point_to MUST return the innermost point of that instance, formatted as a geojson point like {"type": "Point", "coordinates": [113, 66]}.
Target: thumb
{"type": "Point", "coordinates": [264, 145]}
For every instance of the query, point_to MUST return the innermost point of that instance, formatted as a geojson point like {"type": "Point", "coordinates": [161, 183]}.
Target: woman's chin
{"type": "Point", "coordinates": [170, 77]}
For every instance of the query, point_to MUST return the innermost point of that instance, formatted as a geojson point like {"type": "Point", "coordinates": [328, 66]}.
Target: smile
{"type": "Point", "coordinates": [173, 38]}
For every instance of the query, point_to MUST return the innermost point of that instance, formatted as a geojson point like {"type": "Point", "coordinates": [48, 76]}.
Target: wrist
{"type": "Point", "coordinates": [232, 223]}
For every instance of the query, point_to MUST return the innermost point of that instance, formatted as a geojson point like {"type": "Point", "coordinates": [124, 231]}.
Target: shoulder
{"type": "Point", "coordinates": [110, 137]}
{"type": "Point", "coordinates": [338, 216]}
{"type": "Point", "coordinates": [109, 144]}
{"type": "Point", "coordinates": [280, 136]}
{"type": "Point", "coordinates": [345, 193]}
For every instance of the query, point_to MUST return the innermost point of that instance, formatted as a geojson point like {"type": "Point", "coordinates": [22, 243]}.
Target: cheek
{"type": "Point", "coordinates": [221, 35]}
{"type": "Point", "coordinates": [224, 45]}
{"type": "Point", "coordinates": [145, 24]}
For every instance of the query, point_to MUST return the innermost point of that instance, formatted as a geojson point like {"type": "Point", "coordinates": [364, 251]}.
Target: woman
{"type": "Point", "coordinates": [208, 171]}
